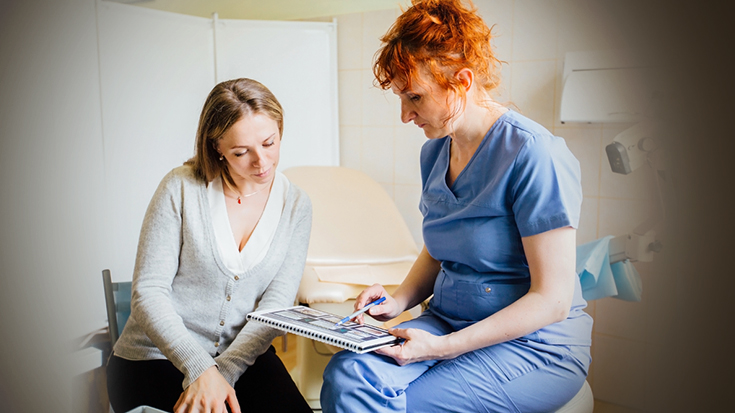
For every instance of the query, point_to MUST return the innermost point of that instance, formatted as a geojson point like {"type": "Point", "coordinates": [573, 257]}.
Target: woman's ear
{"type": "Point", "coordinates": [465, 77]}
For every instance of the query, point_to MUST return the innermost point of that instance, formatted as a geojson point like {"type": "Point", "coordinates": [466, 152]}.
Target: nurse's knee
{"type": "Point", "coordinates": [342, 365]}
{"type": "Point", "coordinates": [347, 366]}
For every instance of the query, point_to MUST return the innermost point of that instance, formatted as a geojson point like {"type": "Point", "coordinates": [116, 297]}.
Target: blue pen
{"type": "Point", "coordinates": [360, 311]}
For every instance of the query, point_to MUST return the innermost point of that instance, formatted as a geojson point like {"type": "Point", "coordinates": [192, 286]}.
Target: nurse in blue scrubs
{"type": "Point", "coordinates": [505, 330]}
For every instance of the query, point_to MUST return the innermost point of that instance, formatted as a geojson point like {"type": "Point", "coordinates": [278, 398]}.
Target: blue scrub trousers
{"type": "Point", "coordinates": [515, 376]}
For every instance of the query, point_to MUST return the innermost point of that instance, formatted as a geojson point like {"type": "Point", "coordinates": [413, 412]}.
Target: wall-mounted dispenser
{"type": "Point", "coordinates": [605, 87]}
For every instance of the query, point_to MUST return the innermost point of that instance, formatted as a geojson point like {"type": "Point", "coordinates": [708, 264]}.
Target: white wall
{"type": "Point", "coordinates": [52, 196]}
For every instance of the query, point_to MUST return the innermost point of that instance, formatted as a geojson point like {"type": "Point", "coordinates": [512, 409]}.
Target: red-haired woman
{"type": "Point", "coordinates": [505, 329]}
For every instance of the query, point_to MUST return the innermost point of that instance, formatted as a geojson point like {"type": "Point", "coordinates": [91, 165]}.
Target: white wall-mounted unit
{"type": "Point", "coordinates": [605, 87]}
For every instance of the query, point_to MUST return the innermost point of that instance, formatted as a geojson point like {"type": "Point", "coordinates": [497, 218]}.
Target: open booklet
{"type": "Point", "coordinates": [320, 326]}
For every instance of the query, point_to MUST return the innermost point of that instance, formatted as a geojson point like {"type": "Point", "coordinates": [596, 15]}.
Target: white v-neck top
{"type": "Point", "coordinates": [260, 240]}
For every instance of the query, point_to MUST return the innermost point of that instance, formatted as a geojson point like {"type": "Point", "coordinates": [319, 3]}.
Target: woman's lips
{"type": "Point", "coordinates": [263, 174]}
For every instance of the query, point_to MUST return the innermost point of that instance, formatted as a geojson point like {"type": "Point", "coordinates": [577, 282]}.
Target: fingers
{"type": "Point", "coordinates": [197, 404]}
{"type": "Point", "coordinates": [180, 406]}
{"type": "Point", "coordinates": [401, 332]}
{"type": "Point", "coordinates": [368, 295]}
{"type": "Point", "coordinates": [232, 401]}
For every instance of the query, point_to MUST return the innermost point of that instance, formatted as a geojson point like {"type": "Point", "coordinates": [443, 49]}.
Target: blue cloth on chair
{"type": "Point", "coordinates": [600, 279]}
{"type": "Point", "coordinates": [627, 280]}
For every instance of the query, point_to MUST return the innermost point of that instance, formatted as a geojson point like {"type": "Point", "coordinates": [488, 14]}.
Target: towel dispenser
{"type": "Point", "coordinates": [605, 87]}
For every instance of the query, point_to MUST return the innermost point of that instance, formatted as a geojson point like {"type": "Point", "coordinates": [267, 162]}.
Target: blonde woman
{"type": "Point", "coordinates": [225, 234]}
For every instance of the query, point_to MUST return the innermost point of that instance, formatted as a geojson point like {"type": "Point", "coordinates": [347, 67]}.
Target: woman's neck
{"type": "Point", "coordinates": [246, 188]}
{"type": "Point", "coordinates": [473, 125]}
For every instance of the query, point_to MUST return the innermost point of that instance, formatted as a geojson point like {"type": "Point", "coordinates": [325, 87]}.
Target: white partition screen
{"type": "Point", "coordinates": [156, 70]}
{"type": "Point", "coordinates": [294, 60]}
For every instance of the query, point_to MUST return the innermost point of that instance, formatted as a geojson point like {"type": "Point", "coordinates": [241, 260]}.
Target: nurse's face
{"type": "Point", "coordinates": [426, 104]}
{"type": "Point", "coordinates": [251, 148]}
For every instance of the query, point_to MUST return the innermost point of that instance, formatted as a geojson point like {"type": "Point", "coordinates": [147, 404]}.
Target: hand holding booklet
{"type": "Point", "coordinates": [322, 326]}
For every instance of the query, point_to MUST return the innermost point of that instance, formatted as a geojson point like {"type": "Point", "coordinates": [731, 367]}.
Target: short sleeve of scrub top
{"type": "Point", "coordinates": [521, 181]}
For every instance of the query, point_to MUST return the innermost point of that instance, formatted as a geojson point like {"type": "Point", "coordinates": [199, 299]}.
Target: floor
{"type": "Point", "coordinates": [289, 360]}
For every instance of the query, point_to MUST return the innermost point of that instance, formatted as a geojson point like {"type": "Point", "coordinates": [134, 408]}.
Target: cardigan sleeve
{"type": "Point", "coordinates": [254, 338]}
{"type": "Point", "coordinates": [156, 266]}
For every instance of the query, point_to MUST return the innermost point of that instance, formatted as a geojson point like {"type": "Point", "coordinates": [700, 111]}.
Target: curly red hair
{"type": "Point", "coordinates": [441, 36]}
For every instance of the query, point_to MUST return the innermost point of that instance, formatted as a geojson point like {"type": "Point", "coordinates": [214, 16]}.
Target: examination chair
{"type": "Point", "coordinates": [358, 238]}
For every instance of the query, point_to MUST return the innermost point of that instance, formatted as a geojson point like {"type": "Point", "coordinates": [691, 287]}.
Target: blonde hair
{"type": "Point", "coordinates": [226, 104]}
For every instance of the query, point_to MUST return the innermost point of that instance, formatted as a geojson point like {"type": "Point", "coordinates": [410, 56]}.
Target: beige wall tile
{"type": "Point", "coordinates": [349, 41]}
{"type": "Point", "coordinates": [585, 143]}
{"type": "Point", "coordinates": [621, 319]}
{"type": "Point", "coordinates": [620, 216]}
{"type": "Point", "coordinates": [375, 25]}
{"type": "Point", "coordinates": [619, 374]}
{"type": "Point", "coordinates": [350, 97]}
{"type": "Point", "coordinates": [587, 230]}
{"type": "Point", "coordinates": [377, 154]}
{"type": "Point", "coordinates": [588, 25]}
{"type": "Point", "coordinates": [534, 30]}
{"type": "Point", "coordinates": [350, 146]}
{"type": "Point", "coordinates": [378, 106]}
{"type": "Point", "coordinates": [409, 140]}
{"type": "Point", "coordinates": [499, 13]}
{"type": "Point", "coordinates": [502, 93]}
{"type": "Point", "coordinates": [532, 90]}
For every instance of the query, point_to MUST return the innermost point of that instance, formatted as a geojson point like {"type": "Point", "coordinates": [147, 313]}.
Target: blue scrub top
{"type": "Point", "coordinates": [521, 181]}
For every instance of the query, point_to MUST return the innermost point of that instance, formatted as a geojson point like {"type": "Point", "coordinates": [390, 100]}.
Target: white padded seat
{"type": "Point", "coordinates": [582, 402]}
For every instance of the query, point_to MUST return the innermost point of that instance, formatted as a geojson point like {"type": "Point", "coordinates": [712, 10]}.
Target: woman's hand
{"type": "Point", "coordinates": [208, 394]}
{"type": "Point", "coordinates": [420, 345]}
{"type": "Point", "coordinates": [385, 311]}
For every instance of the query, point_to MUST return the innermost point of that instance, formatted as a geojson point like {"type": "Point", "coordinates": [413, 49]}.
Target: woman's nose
{"type": "Point", "coordinates": [258, 157]}
{"type": "Point", "coordinates": [407, 115]}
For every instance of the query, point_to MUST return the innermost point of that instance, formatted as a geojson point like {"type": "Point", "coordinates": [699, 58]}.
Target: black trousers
{"type": "Point", "coordinates": [265, 386]}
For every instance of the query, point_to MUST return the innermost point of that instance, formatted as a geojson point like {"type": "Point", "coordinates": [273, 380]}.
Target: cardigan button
{"type": "Point", "coordinates": [237, 278]}
{"type": "Point", "coordinates": [216, 343]}
{"type": "Point", "coordinates": [488, 289]}
{"type": "Point", "coordinates": [222, 322]}
{"type": "Point", "coordinates": [229, 298]}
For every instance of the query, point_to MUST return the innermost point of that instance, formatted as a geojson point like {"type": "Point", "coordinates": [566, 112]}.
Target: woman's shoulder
{"type": "Point", "coordinates": [182, 175]}
{"type": "Point", "coordinates": [297, 197]}
{"type": "Point", "coordinates": [522, 128]}
{"type": "Point", "coordinates": [179, 180]}
{"type": "Point", "coordinates": [531, 144]}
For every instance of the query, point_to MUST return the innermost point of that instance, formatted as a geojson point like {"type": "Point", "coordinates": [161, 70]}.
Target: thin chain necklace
{"type": "Point", "coordinates": [239, 201]}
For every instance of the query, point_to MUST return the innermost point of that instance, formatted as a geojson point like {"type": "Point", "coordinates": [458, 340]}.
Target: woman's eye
{"type": "Point", "coordinates": [414, 98]}
{"type": "Point", "coordinates": [267, 144]}
{"type": "Point", "coordinates": [240, 154]}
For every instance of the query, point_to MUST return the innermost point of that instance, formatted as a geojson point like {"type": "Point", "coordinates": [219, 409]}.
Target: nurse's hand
{"type": "Point", "coordinates": [385, 311]}
{"type": "Point", "coordinates": [208, 394]}
{"type": "Point", "coordinates": [420, 345]}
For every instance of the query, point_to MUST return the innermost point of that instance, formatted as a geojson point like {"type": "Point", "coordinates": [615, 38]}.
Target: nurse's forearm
{"type": "Point", "coordinates": [419, 283]}
{"type": "Point", "coordinates": [530, 313]}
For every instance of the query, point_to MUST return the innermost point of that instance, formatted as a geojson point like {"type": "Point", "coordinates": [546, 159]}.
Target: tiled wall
{"type": "Point", "coordinates": [532, 37]}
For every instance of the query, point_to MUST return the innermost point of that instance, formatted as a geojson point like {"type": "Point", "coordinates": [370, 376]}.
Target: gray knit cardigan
{"type": "Point", "coordinates": [187, 307]}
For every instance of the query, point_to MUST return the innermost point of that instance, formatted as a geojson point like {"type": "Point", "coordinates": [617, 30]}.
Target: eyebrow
{"type": "Point", "coordinates": [264, 140]}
